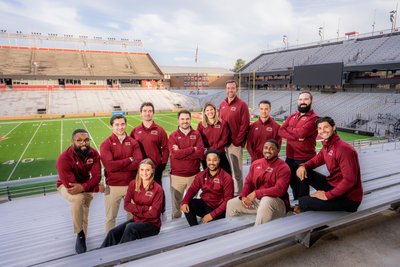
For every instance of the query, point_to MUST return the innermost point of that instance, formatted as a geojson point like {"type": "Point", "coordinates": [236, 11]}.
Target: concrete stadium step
{"type": "Point", "coordinates": [213, 251]}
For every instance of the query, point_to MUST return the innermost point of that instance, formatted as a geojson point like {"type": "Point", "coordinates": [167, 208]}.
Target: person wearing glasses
{"type": "Point", "coordinates": [79, 175]}
{"type": "Point", "coordinates": [121, 156]}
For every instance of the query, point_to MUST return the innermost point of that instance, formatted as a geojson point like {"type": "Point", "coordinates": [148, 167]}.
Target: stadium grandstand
{"type": "Point", "coordinates": [356, 79]}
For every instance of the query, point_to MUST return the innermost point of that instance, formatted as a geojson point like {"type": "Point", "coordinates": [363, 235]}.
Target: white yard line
{"type": "Point", "coordinates": [90, 136]}
{"type": "Point", "coordinates": [108, 126]}
{"type": "Point", "coordinates": [19, 160]}
{"type": "Point", "coordinates": [12, 129]}
{"type": "Point", "coordinates": [62, 134]}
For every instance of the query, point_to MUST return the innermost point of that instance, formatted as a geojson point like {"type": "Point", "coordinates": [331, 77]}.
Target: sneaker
{"type": "Point", "coordinates": [80, 245]}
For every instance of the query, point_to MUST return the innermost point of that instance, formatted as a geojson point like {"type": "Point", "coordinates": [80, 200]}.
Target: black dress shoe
{"type": "Point", "coordinates": [80, 245]}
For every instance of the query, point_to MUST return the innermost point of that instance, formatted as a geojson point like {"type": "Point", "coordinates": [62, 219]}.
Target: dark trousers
{"type": "Point", "coordinates": [294, 180]}
{"type": "Point", "coordinates": [129, 231]}
{"type": "Point", "coordinates": [318, 181]}
{"type": "Point", "coordinates": [197, 207]}
{"type": "Point", "coordinates": [158, 178]}
{"type": "Point", "coordinates": [223, 163]}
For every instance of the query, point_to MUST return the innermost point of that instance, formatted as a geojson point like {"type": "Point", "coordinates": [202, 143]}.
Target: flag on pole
{"type": "Point", "coordinates": [197, 52]}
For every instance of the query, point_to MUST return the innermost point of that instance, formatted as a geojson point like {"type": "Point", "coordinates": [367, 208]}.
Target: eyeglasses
{"type": "Point", "coordinates": [79, 141]}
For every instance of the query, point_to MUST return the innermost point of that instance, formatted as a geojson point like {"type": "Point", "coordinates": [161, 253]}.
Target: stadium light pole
{"type": "Point", "coordinates": [285, 41]}
{"type": "Point", "coordinates": [321, 33]}
{"type": "Point", "coordinates": [393, 18]}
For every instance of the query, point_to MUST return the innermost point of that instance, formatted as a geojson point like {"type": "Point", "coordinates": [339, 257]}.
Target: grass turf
{"type": "Point", "coordinates": [30, 148]}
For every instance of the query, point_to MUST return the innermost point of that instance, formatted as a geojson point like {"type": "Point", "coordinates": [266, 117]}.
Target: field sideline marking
{"type": "Point", "coordinates": [62, 132]}
{"type": "Point", "coordinates": [90, 135]}
{"type": "Point", "coordinates": [23, 152]}
{"type": "Point", "coordinates": [12, 129]}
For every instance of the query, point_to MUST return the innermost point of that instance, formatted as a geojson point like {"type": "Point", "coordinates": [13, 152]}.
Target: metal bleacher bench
{"type": "Point", "coordinates": [227, 239]}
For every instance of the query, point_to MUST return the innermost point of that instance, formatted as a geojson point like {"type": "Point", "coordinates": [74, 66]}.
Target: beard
{"type": "Point", "coordinates": [82, 153]}
{"type": "Point", "coordinates": [304, 109]}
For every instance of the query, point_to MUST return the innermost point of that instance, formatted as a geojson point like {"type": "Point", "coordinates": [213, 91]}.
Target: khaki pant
{"type": "Point", "coordinates": [178, 186]}
{"type": "Point", "coordinates": [235, 158]}
{"type": "Point", "coordinates": [113, 197]}
{"type": "Point", "coordinates": [79, 208]}
{"type": "Point", "coordinates": [267, 209]}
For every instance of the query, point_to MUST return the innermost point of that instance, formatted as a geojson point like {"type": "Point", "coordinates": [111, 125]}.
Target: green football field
{"type": "Point", "coordinates": [30, 148]}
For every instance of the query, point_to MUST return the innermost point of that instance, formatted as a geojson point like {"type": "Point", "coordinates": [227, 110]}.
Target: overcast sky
{"type": "Point", "coordinates": [223, 30]}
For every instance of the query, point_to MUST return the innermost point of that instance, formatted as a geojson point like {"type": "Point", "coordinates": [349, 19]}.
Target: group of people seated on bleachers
{"type": "Point", "coordinates": [133, 167]}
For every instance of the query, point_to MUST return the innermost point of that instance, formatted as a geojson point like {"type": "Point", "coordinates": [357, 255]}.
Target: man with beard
{"type": "Point", "coordinates": [265, 188]}
{"type": "Point", "coordinates": [153, 142]}
{"type": "Point", "coordinates": [262, 130]}
{"type": "Point", "coordinates": [187, 150]}
{"type": "Point", "coordinates": [235, 113]}
{"type": "Point", "coordinates": [79, 174]}
{"type": "Point", "coordinates": [300, 134]}
{"type": "Point", "coordinates": [121, 156]}
{"type": "Point", "coordinates": [216, 186]}
{"type": "Point", "coordinates": [342, 189]}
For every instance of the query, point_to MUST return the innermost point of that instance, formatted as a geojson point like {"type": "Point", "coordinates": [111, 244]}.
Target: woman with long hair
{"type": "Point", "coordinates": [215, 134]}
{"type": "Point", "coordinates": [144, 200]}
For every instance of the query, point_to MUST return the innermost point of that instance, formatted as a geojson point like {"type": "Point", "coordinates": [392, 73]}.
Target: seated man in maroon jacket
{"type": "Point", "coordinates": [265, 189]}
{"type": "Point", "coordinates": [341, 189]}
{"type": "Point", "coordinates": [216, 186]}
{"type": "Point", "coordinates": [79, 174]}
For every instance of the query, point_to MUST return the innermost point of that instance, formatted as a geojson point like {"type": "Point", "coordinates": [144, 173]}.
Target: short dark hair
{"type": "Point", "coordinates": [325, 119]}
{"type": "Point", "coordinates": [273, 141]}
{"type": "Point", "coordinates": [213, 151]}
{"type": "Point", "coordinates": [146, 104]}
{"type": "Point", "coordinates": [117, 116]}
{"type": "Point", "coordinates": [78, 131]}
{"type": "Point", "coordinates": [264, 102]}
{"type": "Point", "coordinates": [184, 111]}
{"type": "Point", "coordinates": [231, 81]}
{"type": "Point", "coordinates": [306, 92]}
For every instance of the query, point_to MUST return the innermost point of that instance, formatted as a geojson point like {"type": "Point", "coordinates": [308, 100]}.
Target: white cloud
{"type": "Point", "coordinates": [224, 30]}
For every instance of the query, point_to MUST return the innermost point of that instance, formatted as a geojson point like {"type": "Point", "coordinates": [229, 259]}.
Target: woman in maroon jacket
{"type": "Point", "coordinates": [215, 134]}
{"type": "Point", "coordinates": [144, 201]}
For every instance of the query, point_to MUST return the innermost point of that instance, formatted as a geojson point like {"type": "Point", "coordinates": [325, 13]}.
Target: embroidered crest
{"type": "Point", "coordinates": [89, 161]}
{"type": "Point", "coordinates": [154, 132]}
{"type": "Point", "coordinates": [233, 108]}
{"type": "Point", "coordinates": [139, 132]}
{"type": "Point", "coordinates": [179, 137]}
{"type": "Point", "coordinates": [258, 167]}
{"type": "Point", "coordinates": [114, 144]}
{"type": "Point", "coordinates": [217, 126]}
{"type": "Point", "coordinates": [216, 180]}
{"type": "Point", "coordinates": [304, 118]}
{"type": "Point", "coordinates": [330, 153]}
{"type": "Point", "coordinates": [269, 169]}
{"type": "Point", "coordinates": [193, 137]}
{"type": "Point", "coordinates": [127, 143]}
{"type": "Point", "coordinates": [149, 194]}
{"type": "Point", "coordinates": [256, 129]}
{"type": "Point", "coordinates": [269, 129]}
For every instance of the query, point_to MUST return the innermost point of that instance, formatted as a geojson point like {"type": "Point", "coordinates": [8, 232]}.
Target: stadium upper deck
{"type": "Point", "coordinates": [362, 61]}
{"type": "Point", "coordinates": [23, 67]}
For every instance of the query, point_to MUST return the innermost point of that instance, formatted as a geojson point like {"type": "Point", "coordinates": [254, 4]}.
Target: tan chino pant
{"type": "Point", "coordinates": [178, 186]}
{"type": "Point", "coordinates": [113, 197]}
{"type": "Point", "coordinates": [79, 208]}
{"type": "Point", "coordinates": [267, 209]}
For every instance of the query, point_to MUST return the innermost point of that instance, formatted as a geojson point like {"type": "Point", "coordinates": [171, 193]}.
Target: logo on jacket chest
{"type": "Point", "coordinates": [330, 153]}
{"type": "Point", "coordinates": [193, 137]}
{"type": "Point", "coordinates": [233, 108]}
{"type": "Point", "coordinates": [89, 161]}
{"type": "Point", "coordinates": [149, 194]}
{"type": "Point", "coordinates": [154, 132]}
{"type": "Point", "coordinates": [128, 143]}
{"type": "Point", "coordinates": [216, 181]}
{"type": "Point", "coordinates": [269, 129]}
{"type": "Point", "coordinates": [217, 126]}
{"type": "Point", "coordinates": [269, 169]}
